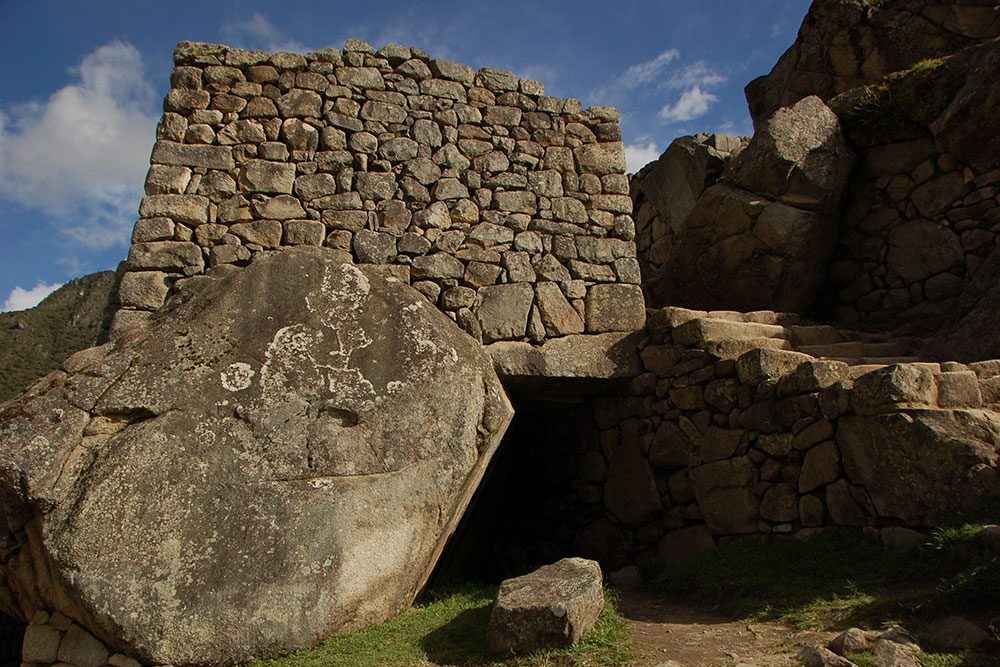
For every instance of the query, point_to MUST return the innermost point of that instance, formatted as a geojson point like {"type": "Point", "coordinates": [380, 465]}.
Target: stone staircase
{"type": "Point", "coordinates": [729, 334]}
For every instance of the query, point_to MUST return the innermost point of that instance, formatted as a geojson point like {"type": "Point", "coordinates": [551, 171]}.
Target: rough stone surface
{"type": "Point", "coordinates": [843, 45]}
{"type": "Point", "coordinates": [395, 158]}
{"type": "Point", "coordinates": [956, 633]}
{"type": "Point", "coordinates": [740, 251]}
{"type": "Point", "coordinates": [282, 443]}
{"type": "Point", "coordinates": [551, 607]}
{"type": "Point", "coordinates": [818, 656]}
{"type": "Point", "coordinates": [798, 155]}
{"type": "Point", "coordinates": [907, 461]}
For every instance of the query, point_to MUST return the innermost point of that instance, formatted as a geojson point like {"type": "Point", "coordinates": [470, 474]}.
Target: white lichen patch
{"type": "Point", "coordinates": [238, 376]}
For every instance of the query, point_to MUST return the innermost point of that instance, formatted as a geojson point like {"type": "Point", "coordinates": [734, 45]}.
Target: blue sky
{"type": "Point", "coordinates": [81, 85]}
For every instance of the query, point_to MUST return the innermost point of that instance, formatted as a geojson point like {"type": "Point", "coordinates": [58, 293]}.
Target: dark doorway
{"type": "Point", "coordinates": [531, 502]}
{"type": "Point", "coordinates": [11, 639]}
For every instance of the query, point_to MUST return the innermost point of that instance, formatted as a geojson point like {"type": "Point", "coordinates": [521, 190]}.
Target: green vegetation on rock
{"type": "Point", "coordinates": [34, 342]}
{"type": "Point", "coordinates": [913, 98]}
{"type": "Point", "coordinates": [448, 627]}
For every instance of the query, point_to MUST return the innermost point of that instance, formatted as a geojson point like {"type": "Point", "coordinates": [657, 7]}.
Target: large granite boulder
{"type": "Point", "coordinates": [278, 455]}
{"type": "Point", "coordinates": [761, 238]}
{"type": "Point", "coordinates": [798, 156]}
{"type": "Point", "coordinates": [740, 251]}
{"type": "Point", "coordinates": [923, 467]}
{"type": "Point", "coordinates": [665, 191]}
{"type": "Point", "coordinates": [967, 128]}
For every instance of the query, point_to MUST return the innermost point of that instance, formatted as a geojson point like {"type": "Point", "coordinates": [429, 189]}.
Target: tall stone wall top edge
{"type": "Point", "coordinates": [210, 53]}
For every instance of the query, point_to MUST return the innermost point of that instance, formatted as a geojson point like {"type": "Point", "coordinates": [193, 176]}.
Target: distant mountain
{"type": "Point", "coordinates": [34, 342]}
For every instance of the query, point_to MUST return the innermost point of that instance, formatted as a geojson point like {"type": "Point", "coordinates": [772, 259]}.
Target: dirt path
{"type": "Point", "coordinates": [665, 631]}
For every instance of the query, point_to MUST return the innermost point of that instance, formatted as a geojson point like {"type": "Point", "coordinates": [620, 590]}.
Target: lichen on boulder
{"type": "Point", "coordinates": [277, 455]}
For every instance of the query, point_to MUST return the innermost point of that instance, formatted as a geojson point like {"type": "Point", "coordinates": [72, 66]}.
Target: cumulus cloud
{"type": "Point", "coordinates": [258, 32]}
{"type": "Point", "coordinates": [639, 155]}
{"type": "Point", "coordinates": [81, 155]}
{"type": "Point", "coordinates": [22, 299]}
{"type": "Point", "coordinates": [693, 102]}
{"type": "Point", "coordinates": [645, 72]}
{"type": "Point", "coordinates": [695, 74]}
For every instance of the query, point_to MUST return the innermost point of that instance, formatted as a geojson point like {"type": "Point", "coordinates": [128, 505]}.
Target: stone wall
{"type": "Point", "coordinates": [919, 225]}
{"type": "Point", "coordinates": [507, 208]}
{"type": "Point", "coordinates": [53, 639]}
{"type": "Point", "coordinates": [724, 433]}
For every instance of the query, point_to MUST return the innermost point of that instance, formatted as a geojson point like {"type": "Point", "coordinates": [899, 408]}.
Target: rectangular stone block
{"type": "Point", "coordinates": [187, 209]}
{"type": "Point", "coordinates": [193, 155]}
{"type": "Point", "coordinates": [615, 308]}
{"type": "Point", "coordinates": [143, 289]}
{"type": "Point", "coordinates": [165, 256]}
{"type": "Point", "coordinates": [503, 311]}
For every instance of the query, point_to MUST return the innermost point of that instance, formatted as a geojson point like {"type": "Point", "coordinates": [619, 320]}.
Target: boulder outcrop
{"type": "Point", "coordinates": [263, 463]}
{"type": "Point", "coordinates": [665, 191]}
{"type": "Point", "coordinates": [760, 237]}
{"type": "Point", "coordinates": [844, 44]}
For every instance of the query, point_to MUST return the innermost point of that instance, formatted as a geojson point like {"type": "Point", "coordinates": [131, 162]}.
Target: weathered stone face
{"type": "Point", "coordinates": [844, 44]}
{"type": "Point", "coordinates": [798, 156]}
{"type": "Point", "coordinates": [923, 466]}
{"type": "Point", "coordinates": [551, 607]}
{"type": "Point", "coordinates": [267, 462]}
{"type": "Point", "coordinates": [740, 251]}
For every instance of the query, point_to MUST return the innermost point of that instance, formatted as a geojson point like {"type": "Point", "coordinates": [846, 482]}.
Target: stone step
{"type": "Point", "coordinates": [818, 335]}
{"type": "Point", "coordinates": [677, 316]}
{"type": "Point", "coordinates": [889, 349]}
{"type": "Point", "coordinates": [848, 349]}
{"type": "Point", "coordinates": [732, 348]}
{"type": "Point", "coordinates": [706, 329]}
{"type": "Point", "coordinates": [875, 362]}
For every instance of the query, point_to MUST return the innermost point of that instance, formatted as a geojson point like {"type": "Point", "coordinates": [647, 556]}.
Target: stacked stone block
{"type": "Point", "coordinates": [53, 639]}
{"type": "Point", "coordinates": [919, 225]}
{"type": "Point", "coordinates": [507, 208]}
{"type": "Point", "coordinates": [707, 445]}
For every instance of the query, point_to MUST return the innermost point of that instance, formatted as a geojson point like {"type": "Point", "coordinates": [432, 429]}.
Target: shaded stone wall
{"type": "Point", "coordinates": [507, 208]}
{"type": "Point", "coordinates": [712, 441]}
{"type": "Point", "coordinates": [918, 226]}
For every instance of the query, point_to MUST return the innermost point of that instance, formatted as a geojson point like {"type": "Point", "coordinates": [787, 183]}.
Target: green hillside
{"type": "Point", "coordinates": [34, 342]}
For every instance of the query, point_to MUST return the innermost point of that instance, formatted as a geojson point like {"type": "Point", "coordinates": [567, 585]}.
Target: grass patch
{"type": "Point", "coordinates": [448, 627]}
{"type": "Point", "coordinates": [911, 99]}
{"type": "Point", "coordinates": [839, 579]}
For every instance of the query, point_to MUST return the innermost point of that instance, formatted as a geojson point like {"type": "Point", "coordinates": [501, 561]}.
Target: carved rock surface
{"type": "Point", "coordinates": [278, 455]}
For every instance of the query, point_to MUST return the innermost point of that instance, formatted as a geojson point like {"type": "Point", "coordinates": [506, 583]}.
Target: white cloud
{"type": "Point", "coordinates": [643, 73]}
{"type": "Point", "coordinates": [639, 155]}
{"type": "Point", "coordinates": [695, 74]}
{"type": "Point", "coordinates": [81, 155]}
{"type": "Point", "coordinates": [21, 299]}
{"type": "Point", "coordinates": [693, 102]}
{"type": "Point", "coordinates": [257, 32]}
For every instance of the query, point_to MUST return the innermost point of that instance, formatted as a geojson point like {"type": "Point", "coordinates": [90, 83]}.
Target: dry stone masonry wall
{"type": "Point", "coordinates": [508, 209]}
{"type": "Point", "coordinates": [730, 430]}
